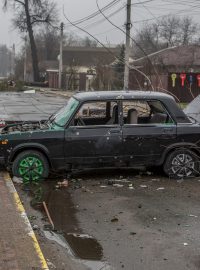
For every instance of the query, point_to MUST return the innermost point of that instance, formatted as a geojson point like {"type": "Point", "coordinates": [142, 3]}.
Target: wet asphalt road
{"type": "Point", "coordinates": [26, 107]}
{"type": "Point", "coordinates": [154, 225]}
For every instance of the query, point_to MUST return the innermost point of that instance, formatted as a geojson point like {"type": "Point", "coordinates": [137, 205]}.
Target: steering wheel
{"type": "Point", "coordinates": [80, 121]}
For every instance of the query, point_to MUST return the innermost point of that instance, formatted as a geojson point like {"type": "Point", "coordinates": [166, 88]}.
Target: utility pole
{"type": "Point", "coordinates": [127, 48]}
{"type": "Point", "coordinates": [13, 60]}
{"type": "Point", "coordinates": [25, 59]}
{"type": "Point", "coordinates": [61, 57]}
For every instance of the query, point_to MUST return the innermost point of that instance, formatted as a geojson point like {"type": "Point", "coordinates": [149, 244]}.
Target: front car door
{"type": "Point", "coordinates": [94, 137]}
{"type": "Point", "coordinates": [148, 129]}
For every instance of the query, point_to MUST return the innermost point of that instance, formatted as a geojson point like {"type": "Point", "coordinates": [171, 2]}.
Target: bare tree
{"type": "Point", "coordinates": [168, 31]}
{"type": "Point", "coordinates": [148, 38]}
{"type": "Point", "coordinates": [5, 60]}
{"type": "Point", "coordinates": [48, 43]}
{"type": "Point", "coordinates": [87, 42]}
{"type": "Point", "coordinates": [188, 31]}
{"type": "Point", "coordinates": [29, 14]}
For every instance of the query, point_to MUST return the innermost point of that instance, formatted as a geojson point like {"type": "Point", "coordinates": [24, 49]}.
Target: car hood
{"type": "Point", "coordinates": [193, 109]}
{"type": "Point", "coordinates": [23, 127]}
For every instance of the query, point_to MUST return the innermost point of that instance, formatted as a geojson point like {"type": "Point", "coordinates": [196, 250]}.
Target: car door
{"type": "Point", "coordinates": [145, 134]}
{"type": "Point", "coordinates": [93, 139]}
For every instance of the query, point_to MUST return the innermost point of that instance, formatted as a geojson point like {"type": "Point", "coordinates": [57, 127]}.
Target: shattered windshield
{"type": "Point", "coordinates": [63, 115]}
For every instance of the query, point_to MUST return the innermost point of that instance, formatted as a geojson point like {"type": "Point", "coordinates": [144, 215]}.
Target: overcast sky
{"type": "Point", "coordinates": [77, 9]}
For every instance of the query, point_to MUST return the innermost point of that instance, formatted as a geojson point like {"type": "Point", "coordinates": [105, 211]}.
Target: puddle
{"type": "Point", "coordinates": [85, 247]}
{"type": "Point", "coordinates": [90, 263]}
{"type": "Point", "coordinates": [81, 247]}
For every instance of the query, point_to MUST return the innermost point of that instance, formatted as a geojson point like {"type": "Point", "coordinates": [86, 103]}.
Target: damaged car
{"type": "Point", "coordinates": [105, 129]}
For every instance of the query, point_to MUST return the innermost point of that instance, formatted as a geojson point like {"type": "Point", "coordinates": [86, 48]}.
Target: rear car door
{"type": "Point", "coordinates": [148, 129]}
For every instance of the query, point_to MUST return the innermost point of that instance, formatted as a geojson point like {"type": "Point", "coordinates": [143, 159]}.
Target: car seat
{"type": "Point", "coordinates": [132, 117]}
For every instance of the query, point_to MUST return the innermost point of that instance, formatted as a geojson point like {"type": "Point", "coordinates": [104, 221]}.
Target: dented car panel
{"type": "Point", "coordinates": [145, 144]}
{"type": "Point", "coordinates": [103, 129]}
{"type": "Point", "coordinates": [92, 144]}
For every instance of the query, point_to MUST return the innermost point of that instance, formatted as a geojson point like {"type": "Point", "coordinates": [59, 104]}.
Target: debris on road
{"type": "Point", "coordinates": [35, 227]}
{"type": "Point", "coordinates": [48, 215]}
{"type": "Point", "coordinates": [114, 219]}
{"type": "Point", "coordinates": [143, 186]}
{"type": "Point", "coordinates": [155, 180]}
{"type": "Point", "coordinates": [160, 188]}
{"type": "Point", "coordinates": [64, 183]}
{"type": "Point", "coordinates": [133, 233]}
{"type": "Point", "coordinates": [50, 264]}
{"type": "Point", "coordinates": [17, 180]}
{"type": "Point", "coordinates": [130, 186]}
{"type": "Point", "coordinates": [32, 217]}
{"type": "Point", "coordinates": [112, 182]}
{"type": "Point", "coordinates": [117, 185]}
{"type": "Point", "coordinates": [31, 91]}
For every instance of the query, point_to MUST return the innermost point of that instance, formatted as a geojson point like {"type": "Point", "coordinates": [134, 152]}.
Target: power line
{"type": "Point", "coordinates": [178, 13]}
{"type": "Point", "coordinates": [91, 16]}
{"type": "Point", "coordinates": [102, 20]}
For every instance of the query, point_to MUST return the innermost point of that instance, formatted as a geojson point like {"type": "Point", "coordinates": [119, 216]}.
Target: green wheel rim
{"type": "Point", "coordinates": [31, 169]}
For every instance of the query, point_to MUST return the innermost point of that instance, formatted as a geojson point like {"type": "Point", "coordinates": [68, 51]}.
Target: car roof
{"type": "Point", "coordinates": [112, 95]}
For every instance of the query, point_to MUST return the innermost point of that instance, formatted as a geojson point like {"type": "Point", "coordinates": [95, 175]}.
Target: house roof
{"type": "Point", "coordinates": [179, 56]}
{"type": "Point", "coordinates": [89, 56]}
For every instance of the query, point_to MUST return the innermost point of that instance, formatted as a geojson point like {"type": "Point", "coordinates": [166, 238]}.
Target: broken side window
{"type": "Point", "coordinates": [97, 113]}
{"type": "Point", "coordinates": [145, 112]}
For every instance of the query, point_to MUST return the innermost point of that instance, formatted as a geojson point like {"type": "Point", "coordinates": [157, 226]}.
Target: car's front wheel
{"type": "Point", "coordinates": [182, 163]}
{"type": "Point", "coordinates": [31, 166]}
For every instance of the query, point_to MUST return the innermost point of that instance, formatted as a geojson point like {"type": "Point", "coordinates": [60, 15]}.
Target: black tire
{"type": "Point", "coordinates": [182, 163]}
{"type": "Point", "coordinates": [31, 166]}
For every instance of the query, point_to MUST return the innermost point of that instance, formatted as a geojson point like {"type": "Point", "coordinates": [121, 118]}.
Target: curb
{"type": "Point", "coordinates": [21, 210]}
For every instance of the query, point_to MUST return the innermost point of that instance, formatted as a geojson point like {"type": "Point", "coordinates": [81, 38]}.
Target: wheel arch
{"type": "Point", "coordinates": [35, 147]}
{"type": "Point", "coordinates": [189, 146]}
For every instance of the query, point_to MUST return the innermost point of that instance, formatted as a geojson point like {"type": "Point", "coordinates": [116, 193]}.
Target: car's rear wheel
{"type": "Point", "coordinates": [31, 166]}
{"type": "Point", "coordinates": [182, 163]}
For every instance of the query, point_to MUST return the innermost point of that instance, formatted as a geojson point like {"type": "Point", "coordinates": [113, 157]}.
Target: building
{"type": "Point", "coordinates": [175, 70]}
{"type": "Point", "coordinates": [79, 66]}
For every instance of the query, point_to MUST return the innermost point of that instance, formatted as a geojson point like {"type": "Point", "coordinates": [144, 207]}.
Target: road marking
{"type": "Point", "coordinates": [23, 214]}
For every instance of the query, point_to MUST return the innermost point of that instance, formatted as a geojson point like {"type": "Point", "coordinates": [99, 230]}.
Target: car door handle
{"type": "Point", "coordinates": [115, 131]}
{"type": "Point", "coordinates": [167, 130]}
